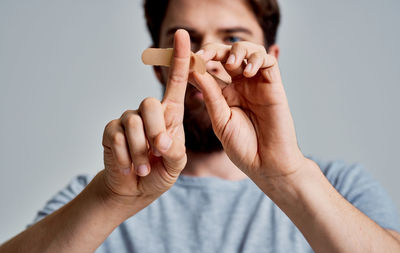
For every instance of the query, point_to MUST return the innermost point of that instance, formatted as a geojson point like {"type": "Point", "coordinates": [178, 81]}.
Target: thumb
{"type": "Point", "coordinates": [173, 153]}
{"type": "Point", "coordinates": [217, 107]}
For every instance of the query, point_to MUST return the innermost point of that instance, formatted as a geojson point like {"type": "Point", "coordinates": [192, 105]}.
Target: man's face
{"type": "Point", "coordinates": [218, 21]}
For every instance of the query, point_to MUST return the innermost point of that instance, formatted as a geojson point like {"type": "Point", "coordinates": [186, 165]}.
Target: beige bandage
{"type": "Point", "coordinates": [163, 57]}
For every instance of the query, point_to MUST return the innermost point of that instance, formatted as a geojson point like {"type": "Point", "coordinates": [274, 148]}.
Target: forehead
{"type": "Point", "coordinates": [208, 15]}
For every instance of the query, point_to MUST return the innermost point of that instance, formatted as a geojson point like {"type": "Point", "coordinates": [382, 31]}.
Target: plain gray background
{"type": "Point", "coordinates": [69, 67]}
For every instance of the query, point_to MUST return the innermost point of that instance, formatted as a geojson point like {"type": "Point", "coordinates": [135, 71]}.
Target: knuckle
{"type": "Point", "coordinates": [242, 44]}
{"type": "Point", "coordinates": [214, 45]}
{"type": "Point", "coordinates": [149, 102]}
{"type": "Point", "coordinates": [215, 50]}
{"type": "Point", "coordinates": [123, 161]}
{"type": "Point", "coordinates": [139, 158]}
{"type": "Point", "coordinates": [118, 139]}
{"type": "Point", "coordinates": [257, 55]}
{"type": "Point", "coordinates": [139, 151]}
{"type": "Point", "coordinates": [110, 125]}
{"type": "Point", "coordinates": [107, 132]}
{"type": "Point", "coordinates": [178, 153]}
{"type": "Point", "coordinates": [261, 48]}
{"type": "Point", "coordinates": [209, 45]}
{"type": "Point", "coordinates": [132, 121]}
{"type": "Point", "coordinates": [209, 48]}
{"type": "Point", "coordinates": [139, 154]}
{"type": "Point", "coordinates": [239, 47]}
{"type": "Point", "coordinates": [178, 78]}
{"type": "Point", "coordinates": [126, 113]}
{"type": "Point", "coordinates": [273, 59]}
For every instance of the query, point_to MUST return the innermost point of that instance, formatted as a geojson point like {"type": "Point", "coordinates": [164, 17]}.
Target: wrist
{"type": "Point", "coordinates": [289, 189]}
{"type": "Point", "coordinates": [124, 205]}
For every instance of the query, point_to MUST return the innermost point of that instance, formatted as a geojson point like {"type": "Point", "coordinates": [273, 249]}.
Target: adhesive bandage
{"type": "Point", "coordinates": [163, 57]}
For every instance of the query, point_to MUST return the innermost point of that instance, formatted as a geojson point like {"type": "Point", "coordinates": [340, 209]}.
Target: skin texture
{"type": "Point", "coordinates": [229, 23]}
{"type": "Point", "coordinates": [248, 106]}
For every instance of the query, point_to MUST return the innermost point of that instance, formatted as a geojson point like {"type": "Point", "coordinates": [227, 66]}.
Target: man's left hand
{"type": "Point", "coordinates": [250, 115]}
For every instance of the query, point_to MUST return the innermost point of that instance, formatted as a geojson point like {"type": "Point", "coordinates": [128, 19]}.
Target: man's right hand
{"type": "Point", "coordinates": [129, 142]}
{"type": "Point", "coordinates": [144, 150]}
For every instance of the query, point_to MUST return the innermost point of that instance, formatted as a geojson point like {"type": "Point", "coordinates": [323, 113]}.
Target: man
{"type": "Point", "coordinates": [239, 183]}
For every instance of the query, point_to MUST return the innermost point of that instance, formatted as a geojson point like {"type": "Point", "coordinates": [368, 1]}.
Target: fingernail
{"type": "Point", "coordinates": [200, 52]}
{"type": "Point", "coordinates": [165, 142]}
{"type": "Point", "coordinates": [142, 170]}
{"type": "Point", "coordinates": [248, 68]}
{"type": "Point", "coordinates": [126, 171]}
{"type": "Point", "coordinates": [231, 59]}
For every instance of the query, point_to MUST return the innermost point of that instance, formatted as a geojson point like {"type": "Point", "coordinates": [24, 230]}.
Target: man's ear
{"type": "Point", "coordinates": [274, 50]}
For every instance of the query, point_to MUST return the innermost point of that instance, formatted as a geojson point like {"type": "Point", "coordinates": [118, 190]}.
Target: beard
{"type": "Point", "coordinates": [199, 135]}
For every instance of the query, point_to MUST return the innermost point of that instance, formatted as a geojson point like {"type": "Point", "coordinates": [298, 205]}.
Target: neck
{"type": "Point", "coordinates": [215, 164]}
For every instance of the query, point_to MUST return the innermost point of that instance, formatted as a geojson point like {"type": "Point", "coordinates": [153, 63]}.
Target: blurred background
{"type": "Point", "coordinates": [69, 67]}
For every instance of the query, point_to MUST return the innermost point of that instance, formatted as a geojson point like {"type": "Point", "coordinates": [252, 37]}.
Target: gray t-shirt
{"type": "Point", "coordinates": [216, 215]}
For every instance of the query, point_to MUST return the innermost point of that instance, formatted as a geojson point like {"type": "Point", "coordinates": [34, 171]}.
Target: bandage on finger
{"type": "Point", "coordinates": [163, 57]}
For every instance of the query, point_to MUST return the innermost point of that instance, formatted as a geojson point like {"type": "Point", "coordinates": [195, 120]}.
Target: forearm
{"type": "Point", "coordinates": [80, 226]}
{"type": "Point", "coordinates": [327, 220]}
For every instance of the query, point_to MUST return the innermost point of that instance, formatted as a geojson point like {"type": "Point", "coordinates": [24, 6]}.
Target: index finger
{"type": "Point", "coordinates": [179, 70]}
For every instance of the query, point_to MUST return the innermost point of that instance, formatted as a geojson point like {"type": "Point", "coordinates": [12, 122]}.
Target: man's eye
{"type": "Point", "coordinates": [195, 39]}
{"type": "Point", "coordinates": [232, 39]}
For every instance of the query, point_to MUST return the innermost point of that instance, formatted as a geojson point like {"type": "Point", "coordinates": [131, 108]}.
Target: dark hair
{"type": "Point", "coordinates": [266, 11]}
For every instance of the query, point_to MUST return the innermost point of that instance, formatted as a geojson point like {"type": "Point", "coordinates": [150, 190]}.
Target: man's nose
{"type": "Point", "coordinates": [216, 69]}
{"type": "Point", "coordinates": [213, 67]}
